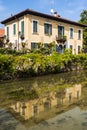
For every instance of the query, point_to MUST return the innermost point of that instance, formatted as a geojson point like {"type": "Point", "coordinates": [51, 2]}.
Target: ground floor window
{"type": "Point", "coordinates": [34, 45]}
{"type": "Point", "coordinates": [47, 106]}
{"type": "Point", "coordinates": [60, 48]}
{"type": "Point", "coordinates": [79, 49]}
{"type": "Point", "coordinates": [35, 109]}
{"type": "Point", "coordinates": [45, 45]}
{"type": "Point", "coordinates": [71, 47]}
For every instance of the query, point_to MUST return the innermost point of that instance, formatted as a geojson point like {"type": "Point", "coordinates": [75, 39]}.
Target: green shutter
{"type": "Point", "coordinates": [62, 30]}
{"type": "Point", "coordinates": [22, 28]}
{"type": "Point", "coordinates": [50, 29]}
{"type": "Point", "coordinates": [79, 49]}
{"type": "Point", "coordinates": [14, 29]}
{"type": "Point", "coordinates": [7, 32]}
{"type": "Point", "coordinates": [71, 32]}
{"type": "Point", "coordinates": [79, 34]}
{"type": "Point", "coordinates": [34, 26]}
{"type": "Point", "coordinates": [47, 29]}
{"type": "Point", "coordinates": [71, 47]}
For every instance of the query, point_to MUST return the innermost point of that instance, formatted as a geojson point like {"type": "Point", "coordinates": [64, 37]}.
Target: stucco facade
{"type": "Point", "coordinates": [40, 36]}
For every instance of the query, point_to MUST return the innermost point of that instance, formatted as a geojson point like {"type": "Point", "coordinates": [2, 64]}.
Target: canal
{"type": "Point", "coordinates": [53, 102]}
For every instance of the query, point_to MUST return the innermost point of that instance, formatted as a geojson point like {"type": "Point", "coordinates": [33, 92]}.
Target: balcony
{"type": "Point", "coordinates": [61, 39]}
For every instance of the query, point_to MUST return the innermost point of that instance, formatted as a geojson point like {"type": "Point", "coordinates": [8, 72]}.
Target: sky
{"type": "Point", "coordinates": [70, 9]}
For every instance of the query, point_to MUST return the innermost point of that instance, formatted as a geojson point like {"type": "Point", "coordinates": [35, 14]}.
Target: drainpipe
{"type": "Point", "coordinates": [18, 33]}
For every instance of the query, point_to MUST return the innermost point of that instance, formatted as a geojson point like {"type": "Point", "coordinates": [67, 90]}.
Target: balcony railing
{"type": "Point", "coordinates": [61, 39]}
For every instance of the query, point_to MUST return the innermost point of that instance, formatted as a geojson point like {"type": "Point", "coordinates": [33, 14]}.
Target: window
{"type": "Point", "coordinates": [35, 109]}
{"type": "Point", "coordinates": [60, 31]}
{"type": "Point", "coordinates": [79, 49]}
{"type": "Point", "coordinates": [71, 33]}
{"type": "Point", "coordinates": [35, 26]}
{"type": "Point", "coordinates": [71, 47]}
{"type": "Point", "coordinates": [34, 45]}
{"type": "Point", "coordinates": [47, 106]}
{"type": "Point", "coordinates": [45, 45]}
{"type": "Point", "coordinates": [70, 97]}
{"type": "Point", "coordinates": [22, 27]}
{"type": "Point", "coordinates": [57, 48]}
{"type": "Point", "coordinates": [79, 34]}
{"type": "Point", "coordinates": [23, 108]}
{"type": "Point", "coordinates": [14, 29]}
{"type": "Point", "coordinates": [47, 28]}
{"type": "Point", "coordinates": [7, 32]}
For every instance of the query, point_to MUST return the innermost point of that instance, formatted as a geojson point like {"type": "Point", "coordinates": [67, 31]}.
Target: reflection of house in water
{"type": "Point", "coordinates": [61, 98]}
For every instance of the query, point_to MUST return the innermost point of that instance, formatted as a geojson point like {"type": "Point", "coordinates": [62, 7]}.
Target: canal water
{"type": "Point", "coordinates": [53, 102]}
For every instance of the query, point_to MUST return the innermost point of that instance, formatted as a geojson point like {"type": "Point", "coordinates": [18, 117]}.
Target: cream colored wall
{"type": "Point", "coordinates": [40, 36]}
{"type": "Point", "coordinates": [13, 38]}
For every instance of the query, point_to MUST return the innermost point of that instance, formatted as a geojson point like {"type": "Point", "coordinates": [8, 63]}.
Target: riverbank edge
{"type": "Point", "coordinates": [34, 65]}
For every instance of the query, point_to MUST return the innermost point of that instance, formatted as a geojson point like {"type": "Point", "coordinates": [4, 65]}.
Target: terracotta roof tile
{"type": "Point", "coordinates": [32, 12]}
{"type": "Point", "coordinates": [2, 32]}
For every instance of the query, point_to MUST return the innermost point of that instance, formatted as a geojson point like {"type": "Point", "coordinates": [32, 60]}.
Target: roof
{"type": "Point", "coordinates": [32, 12]}
{"type": "Point", "coordinates": [2, 32]}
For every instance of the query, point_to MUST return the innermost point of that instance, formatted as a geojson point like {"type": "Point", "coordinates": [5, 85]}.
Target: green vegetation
{"type": "Point", "coordinates": [15, 64]}
{"type": "Point", "coordinates": [83, 20]}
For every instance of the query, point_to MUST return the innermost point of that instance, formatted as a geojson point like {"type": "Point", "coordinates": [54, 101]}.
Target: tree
{"type": "Point", "coordinates": [83, 20]}
{"type": "Point", "coordinates": [83, 17]}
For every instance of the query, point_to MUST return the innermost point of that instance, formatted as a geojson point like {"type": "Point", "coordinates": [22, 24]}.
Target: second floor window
{"type": "Point", "coordinates": [47, 28]}
{"type": "Point", "coordinates": [71, 33]}
{"type": "Point", "coordinates": [79, 34]}
{"type": "Point", "coordinates": [14, 29]}
{"type": "Point", "coordinates": [7, 31]}
{"type": "Point", "coordinates": [35, 26]}
{"type": "Point", "coordinates": [60, 31]}
{"type": "Point", "coordinates": [22, 27]}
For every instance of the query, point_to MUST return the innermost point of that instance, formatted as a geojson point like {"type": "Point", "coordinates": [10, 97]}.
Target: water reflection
{"type": "Point", "coordinates": [55, 102]}
{"type": "Point", "coordinates": [59, 99]}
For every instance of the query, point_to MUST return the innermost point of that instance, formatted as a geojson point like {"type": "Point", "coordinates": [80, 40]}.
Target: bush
{"type": "Point", "coordinates": [34, 64]}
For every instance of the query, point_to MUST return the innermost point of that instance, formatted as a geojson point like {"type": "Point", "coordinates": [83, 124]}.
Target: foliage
{"type": "Point", "coordinates": [83, 16]}
{"type": "Point", "coordinates": [35, 64]}
{"type": "Point", "coordinates": [83, 20]}
{"type": "Point", "coordinates": [6, 66]}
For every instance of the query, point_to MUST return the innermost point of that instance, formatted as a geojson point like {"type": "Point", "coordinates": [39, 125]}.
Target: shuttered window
{"type": "Point", "coordinates": [14, 29]}
{"type": "Point", "coordinates": [22, 27]}
{"type": "Point", "coordinates": [71, 33]}
{"type": "Point", "coordinates": [47, 28]}
{"type": "Point", "coordinates": [60, 31]}
{"type": "Point", "coordinates": [35, 26]}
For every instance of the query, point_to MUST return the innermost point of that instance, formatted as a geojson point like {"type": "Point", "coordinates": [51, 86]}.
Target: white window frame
{"type": "Point", "coordinates": [49, 24]}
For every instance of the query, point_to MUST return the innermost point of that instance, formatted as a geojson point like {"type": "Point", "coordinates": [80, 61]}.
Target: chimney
{"type": "Point", "coordinates": [56, 14]}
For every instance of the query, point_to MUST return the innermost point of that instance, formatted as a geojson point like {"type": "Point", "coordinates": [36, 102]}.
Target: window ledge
{"type": "Point", "coordinates": [71, 38]}
{"type": "Point", "coordinates": [48, 34]}
{"type": "Point", "coordinates": [14, 35]}
{"type": "Point", "coordinates": [35, 33]}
